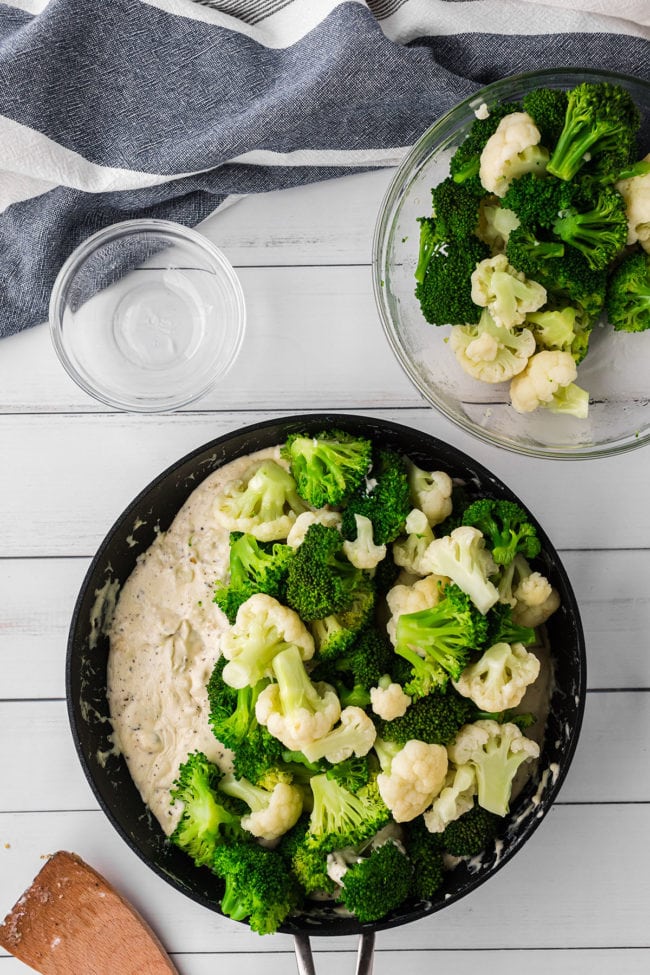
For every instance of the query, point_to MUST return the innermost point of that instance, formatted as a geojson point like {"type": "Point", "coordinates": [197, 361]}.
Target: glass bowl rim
{"type": "Point", "coordinates": [129, 228]}
{"type": "Point", "coordinates": [382, 230]}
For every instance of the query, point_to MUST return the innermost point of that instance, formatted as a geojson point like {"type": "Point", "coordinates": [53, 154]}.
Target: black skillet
{"type": "Point", "coordinates": [153, 510]}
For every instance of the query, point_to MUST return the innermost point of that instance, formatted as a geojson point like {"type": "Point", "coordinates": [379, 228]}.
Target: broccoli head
{"type": "Point", "coordinates": [501, 628]}
{"type": "Point", "coordinates": [526, 252]}
{"type": "Point", "coordinates": [341, 817]}
{"type": "Point", "coordinates": [377, 882]}
{"type": "Point", "coordinates": [507, 526]}
{"type": "Point", "coordinates": [444, 291]}
{"type": "Point", "coordinates": [537, 200]}
{"type": "Point", "coordinates": [254, 567]}
{"type": "Point", "coordinates": [424, 850]}
{"type": "Point", "coordinates": [205, 822]}
{"type": "Point", "coordinates": [258, 885]}
{"type": "Point", "coordinates": [384, 499]}
{"type": "Point", "coordinates": [334, 634]}
{"type": "Point", "coordinates": [547, 108]}
{"type": "Point", "coordinates": [470, 833]}
{"type": "Point", "coordinates": [455, 210]}
{"type": "Point", "coordinates": [434, 719]}
{"type": "Point", "coordinates": [327, 466]}
{"type": "Point", "coordinates": [437, 642]}
{"type": "Point", "coordinates": [628, 294]}
{"type": "Point", "coordinates": [597, 228]}
{"type": "Point", "coordinates": [599, 131]}
{"type": "Point", "coordinates": [321, 580]}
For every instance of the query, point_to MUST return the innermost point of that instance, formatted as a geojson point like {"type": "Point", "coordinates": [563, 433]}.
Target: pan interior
{"type": "Point", "coordinates": [152, 511]}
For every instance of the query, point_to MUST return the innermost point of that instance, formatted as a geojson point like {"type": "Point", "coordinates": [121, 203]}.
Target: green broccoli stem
{"type": "Point", "coordinates": [428, 244]}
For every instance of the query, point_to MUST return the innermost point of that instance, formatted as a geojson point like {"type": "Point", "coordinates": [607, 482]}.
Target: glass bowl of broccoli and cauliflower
{"type": "Point", "coordinates": [511, 263]}
{"type": "Point", "coordinates": [340, 667]}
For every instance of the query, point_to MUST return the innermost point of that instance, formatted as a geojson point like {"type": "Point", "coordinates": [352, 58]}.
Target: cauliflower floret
{"type": "Point", "coordinates": [495, 751]}
{"type": "Point", "coordinates": [511, 151]}
{"type": "Point", "coordinates": [355, 735]}
{"type": "Point", "coordinates": [491, 352]}
{"type": "Point", "coordinates": [263, 627]}
{"type": "Point", "coordinates": [636, 193]}
{"type": "Point", "coordinates": [463, 557]}
{"type": "Point", "coordinates": [263, 502]}
{"type": "Point", "coordinates": [546, 375]}
{"type": "Point", "coordinates": [388, 700]}
{"type": "Point", "coordinates": [408, 551]}
{"type": "Point", "coordinates": [323, 516]}
{"type": "Point", "coordinates": [455, 798]}
{"type": "Point", "coordinates": [363, 553]}
{"type": "Point", "coordinates": [430, 492]}
{"type": "Point", "coordinates": [496, 223]}
{"type": "Point", "coordinates": [536, 600]}
{"type": "Point", "coordinates": [498, 680]}
{"type": "Point", "coordinates": [507, 293]}
{"type": "Point", "coordinates": [272, 812]}
{"type": "Point", "coordinates": [404, 599]}
{"type": "Point", "coordinates": [294, 710]}
{"type": "Point", "coordinates": [416, 774]}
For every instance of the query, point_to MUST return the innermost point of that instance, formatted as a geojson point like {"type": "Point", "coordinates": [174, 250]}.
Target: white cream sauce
{"type": "Point", "coordinates": [164, 641]}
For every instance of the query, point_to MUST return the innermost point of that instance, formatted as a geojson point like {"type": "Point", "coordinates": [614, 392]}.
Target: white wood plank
{"type": "Point", "coordinates": [331, 222]}
{"type": "Point", "coordinates": [581, 881]}
{"type": "Point", "coordinates": [39, 760]}
{"type": "Point", "coordinates": [308, 329]}
{"type": "Point", "coordinates": [65, 479]}
{"type": "Point", "coordinates": [39, 595]}
{"type": "Point", "coordinates": [578, 961]}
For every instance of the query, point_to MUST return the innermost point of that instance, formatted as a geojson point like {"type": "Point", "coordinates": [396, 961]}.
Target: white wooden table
{"type": "Point", "coordinates": [577, 897]}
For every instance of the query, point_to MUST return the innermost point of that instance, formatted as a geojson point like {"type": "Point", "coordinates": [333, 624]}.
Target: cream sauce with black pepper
{"type": "Point", "coordinates": [164, 641]}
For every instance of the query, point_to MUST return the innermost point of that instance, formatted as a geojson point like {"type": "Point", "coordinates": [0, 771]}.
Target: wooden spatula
{"type": "Point", "coordinates": [72, 922]}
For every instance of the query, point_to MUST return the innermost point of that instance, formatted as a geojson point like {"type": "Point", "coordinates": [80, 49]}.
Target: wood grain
{"type": "Point", "coordinates": [71, 921]}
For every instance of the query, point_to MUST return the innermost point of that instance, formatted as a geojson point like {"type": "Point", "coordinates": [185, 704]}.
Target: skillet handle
{"type": "Point", "coordinates": [305, 960]}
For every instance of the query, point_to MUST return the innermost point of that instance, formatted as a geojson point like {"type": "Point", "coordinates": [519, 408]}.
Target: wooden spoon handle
{"type": "Point", "coordinates": [72, 922]}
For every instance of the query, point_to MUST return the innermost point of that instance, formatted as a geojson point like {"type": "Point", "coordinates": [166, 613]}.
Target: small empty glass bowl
{"type": "Point", "coordinates": [616, 371]}
{"type": "Point", "coordinates": [147, 315]}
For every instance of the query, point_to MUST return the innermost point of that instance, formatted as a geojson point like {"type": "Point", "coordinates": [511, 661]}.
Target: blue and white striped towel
{"type": "Point", "coordinates": [113, 109]}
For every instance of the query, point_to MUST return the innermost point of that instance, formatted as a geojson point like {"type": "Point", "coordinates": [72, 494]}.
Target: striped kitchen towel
{"type": "Point", "coordinates": [114, 109]}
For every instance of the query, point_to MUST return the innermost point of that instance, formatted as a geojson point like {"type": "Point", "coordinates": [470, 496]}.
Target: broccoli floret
{"type": "Point", "coordinates": [254, 567]}
{"type": "Point", "coordinates": [384, 499]}
{"type": "Point", "coordinates": [334, 634]}
{"type": "Point", "coordinates": [321, 581]}
{"type": "Point", "coordinates": [507, 526]}
{"type": "Point", "coordinates": [470, 833]}
{"type": "Point", "coordinates": [465, 162]}
{"type": "Point", "coordinates": [205, 822]}
{"type": "Point", "coordinates": [600, 129]}
{"type": "Point", "coordinates": [598, 228]}
{"type": "Point", "coordinates": [628, 294]}
{"type": "Point", "coordinates": [327, 466]}
{"type": "Point", "coordinates": [444, 293]}
{"type": "Point", "coordinates": [257, 754]}
{"type": "Point", "coordinates": [526, 252]}
{"type": "Point", "coordinates": [377, 882]}
{"type": "Point", "coordinates": [424, 850]}
{"type": "Point", "coordinates": [307, 862]}
{"type": "Point", "coordinates": [434, 718]}
{"type": "Point", "coordinates": [264, 502]}
{"type": "Point", "coordinates": [258, 885]}
{"type": "Point", "coordinates": [343, 818]}
{"type": "Point", "coordinates": [437, 641]}
{"type": "Point", "coordinates": [537, 200]}
{"type": "Point", "coordinates": [369, 658]}
{"type": "Point", "coordinates": [547, 108]}
{"type": "Point", "coordinates": [501, 627]}
{"type": "Point", "coordinates": [352, 774]}
{"type": "Point", "coordinates": [455, 210]}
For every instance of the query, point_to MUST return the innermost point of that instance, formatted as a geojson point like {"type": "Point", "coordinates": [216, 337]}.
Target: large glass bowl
{"type": "Point", "coordinates": [616, 371]}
